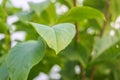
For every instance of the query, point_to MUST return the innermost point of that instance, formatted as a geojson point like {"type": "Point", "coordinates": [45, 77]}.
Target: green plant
{"type": "Point", "coordinates": [79, 37]}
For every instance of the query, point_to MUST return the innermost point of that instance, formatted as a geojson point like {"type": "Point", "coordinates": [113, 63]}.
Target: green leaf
{"type": "Point", "coordinates": [68, 72]}
{"type": "Point", "coordinates": [87, 41]}
{"type": "Point", "coordinates": [104, 43]}
{"type": "Point", "coordinates": [68, 3]}
{"type": "Point", "coordinates": [39, 7]}
{"type": "Point", "coordinates": [111, 55]}
{"type": "Point", "coordinates": [116, 75]}
{"type": "Point", "coordinates": [58, 36]}
{"type": "Point", "coordinates": [98, 4]}
{"type": "Point", "coordinates": [4, 72]}
{"type": "Point", "coordinates": [81, 13]}
{"type": "Point", "coordinates": [11, 9]}
{"type": "Point", "coordinates": [50, 59]}
{"type": "Point", "coordinates": [3, 58]}
{"type": "Point", "coordinates": [76, 54]}
{"type": "Point", "coordinates": [52, 17]}
{"type": "Point", "coordinates": [31, 34]}
{"type": "Point", "coordinates": [46, 17]}
{"type": "Point", "coordinates": [25, 16]}
{"type": "Point", "coordinates": [23, 57]}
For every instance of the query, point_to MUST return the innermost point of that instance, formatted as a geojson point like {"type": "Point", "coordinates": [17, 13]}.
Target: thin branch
{"type": "Point", "coordinates": [82, 72]}
{"type": "Point", "coordinates": [77, 33]}
{"type": "Point", "coordinates": [93, 73]}
{"type": "Point", "coordinates": [75, 2]}
{"type": "Point", "coordinates": [107, 15]}
{"type": "Point", "coordinates": [76, 25]}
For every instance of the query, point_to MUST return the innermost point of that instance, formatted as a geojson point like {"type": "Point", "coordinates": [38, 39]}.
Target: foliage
{"type": "Point", "coordinates": [78, 40]}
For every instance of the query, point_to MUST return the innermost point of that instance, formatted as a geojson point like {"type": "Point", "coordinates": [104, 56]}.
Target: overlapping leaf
{"type": "Point", "coordinates": [81, 13]}
{"type": "Point", "coordinates": [39, 7]}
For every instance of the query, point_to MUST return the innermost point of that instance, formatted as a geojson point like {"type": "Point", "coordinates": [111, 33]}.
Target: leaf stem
{"type": "Point", "coordinates": [7, 32]}
{"type": "Point", "coordinates": [7, 41]}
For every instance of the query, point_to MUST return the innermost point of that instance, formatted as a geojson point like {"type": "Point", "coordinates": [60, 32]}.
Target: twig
{"type": "Point", "coordinates": [75, 2]}
{"type": "Point", "coordinates": [93, 73]}
{"type": "Point", "coordinates": [82, 72]}
{"type": "Point", "coordinates": [77, 33]}
{"type": "Point", "coordinates": [76, 25]}
{"type": "Point", "coordinates": [107, 15]}
{"type": "Point", "coordinates": [82, 75]}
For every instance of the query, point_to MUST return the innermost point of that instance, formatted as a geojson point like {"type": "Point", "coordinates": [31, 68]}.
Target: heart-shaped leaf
{"type": "Point", "coordinates": [58, 36]}
{"type": "Point", "coordinates": [23, 57]}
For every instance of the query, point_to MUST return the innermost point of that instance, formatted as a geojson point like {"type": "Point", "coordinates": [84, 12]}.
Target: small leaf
{"type": "Point", "coordinates": [97, 4]}
{"type": "Point", "coordinates": [23, 57]}
{"type": "Point", "coordinates": [46, 17]}
{"type": "Point", "coordinates": [58, 36]}
{"type": "Point", "coordinates": [25, 16]}
{"type": "Point", "coordinates": [105, 43]}
{"type": "Point", "coordinates": [39, 7]}
{"type": "Point", "coordinates": [81, 13]}
{"type": "Point", "coordinates": [115, 8]}
{"type": "Point", "coordinates": [68, 3]}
